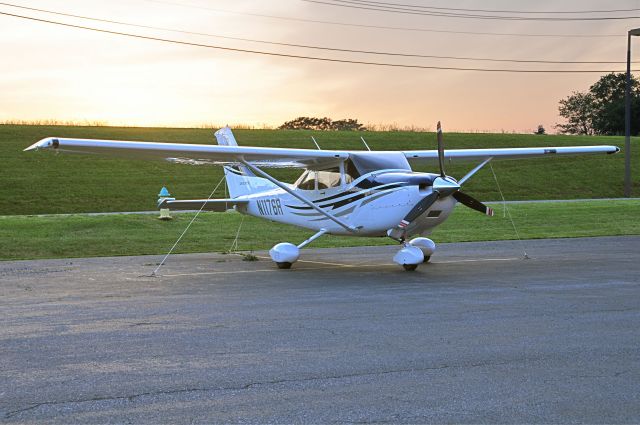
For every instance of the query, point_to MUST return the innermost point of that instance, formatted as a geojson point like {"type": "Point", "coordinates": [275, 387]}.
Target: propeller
{"type": "Point", "coordinates": [442, 186]}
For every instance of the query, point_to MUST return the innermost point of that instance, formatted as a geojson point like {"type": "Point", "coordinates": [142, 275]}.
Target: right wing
{"type": "Point", "coordinates": [196, 154]}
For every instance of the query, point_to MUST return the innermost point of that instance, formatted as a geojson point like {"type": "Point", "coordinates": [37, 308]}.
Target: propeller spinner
{"type": "Point", "coordinates": [442, 186]}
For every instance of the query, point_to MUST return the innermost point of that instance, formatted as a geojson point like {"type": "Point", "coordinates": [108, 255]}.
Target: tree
{"type": "Point", "coordinates": [309, 123]}
{"type": "Point", "coordinates": [578, 110]}
{"type": "Point", "coordinates": [348, 124]}
{"type": "Point", "coordinates": [609, 95]}
{"type": "Point", "coordinates": [601, 109]}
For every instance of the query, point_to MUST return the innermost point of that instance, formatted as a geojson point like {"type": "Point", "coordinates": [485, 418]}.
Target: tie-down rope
{"type": "Point", "coordinates": [153, 274]}
{"type": "Point", "coordinates": [508, 213]}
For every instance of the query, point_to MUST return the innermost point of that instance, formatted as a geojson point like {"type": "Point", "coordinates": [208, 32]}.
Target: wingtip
{"type": "Point", "coordinates": [35, 146]}
{"type": "Point", "coordinates": [46, 143]}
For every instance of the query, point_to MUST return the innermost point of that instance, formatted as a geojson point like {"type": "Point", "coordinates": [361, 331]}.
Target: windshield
{"type": "Point", "coordinates": [367, 162]}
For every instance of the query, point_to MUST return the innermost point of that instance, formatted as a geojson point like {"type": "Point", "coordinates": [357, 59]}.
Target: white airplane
{"type": "Point", "coordinates": [359, 193]}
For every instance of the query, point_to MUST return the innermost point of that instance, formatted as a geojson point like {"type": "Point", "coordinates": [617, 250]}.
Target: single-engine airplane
{"type": "Point", "coordinates": [359, 193]}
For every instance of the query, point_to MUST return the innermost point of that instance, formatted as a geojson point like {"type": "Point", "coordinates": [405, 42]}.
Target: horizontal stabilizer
{"type": "Point", "coordinates": [219, 205]}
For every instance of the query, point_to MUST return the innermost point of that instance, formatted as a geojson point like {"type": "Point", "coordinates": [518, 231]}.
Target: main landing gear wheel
{"type": "Point", "coordinates": [284, 254]}
{"type": "Point", "coordinates": [426, 258]}
{"type": "Point", "coordinates": [410, 267]}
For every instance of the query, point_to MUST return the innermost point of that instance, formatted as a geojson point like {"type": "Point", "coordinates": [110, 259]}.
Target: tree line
{"type": "Point", "coordinates": [311, 123]}
{"type": "Point", "coordinates": [598, 111]}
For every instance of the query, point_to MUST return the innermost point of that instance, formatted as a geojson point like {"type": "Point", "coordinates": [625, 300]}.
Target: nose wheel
{"type": "Point", "coordinates": [409, 257]}
{"type": "Point", "coordinates": [414, 253]}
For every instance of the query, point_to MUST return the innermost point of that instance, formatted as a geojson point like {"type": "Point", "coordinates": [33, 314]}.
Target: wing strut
{"type": "Point", "coordinates": [299, 197]}
{"type": "Point", "coordinates": [475, 170]}
{"type": "Point", "coordinates": [312, 238]}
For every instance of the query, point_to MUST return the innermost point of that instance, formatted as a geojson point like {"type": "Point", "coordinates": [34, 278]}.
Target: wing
{"type": "Point", "coordinates": [431, 156]}
{"type": "Point", "coordinates": [195, 154]}
{"type": "Point", "coordinates": [283, 157]}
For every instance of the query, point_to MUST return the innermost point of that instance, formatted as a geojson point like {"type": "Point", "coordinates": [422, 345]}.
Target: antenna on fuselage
{"type": "Point", "coordinates": [316, 143]}
{"type": "Point", "coordinates": [365, 143]}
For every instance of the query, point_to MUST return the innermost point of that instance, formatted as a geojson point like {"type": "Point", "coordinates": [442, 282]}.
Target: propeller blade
{"type": "Point", "coordinates": [398, 232]}
{"type": "Point", "coordinates": [471, 202]}
{"type": "Point", "coordinates": [421, 207]}
{"type": "Point", "coordinates": [440, 150]}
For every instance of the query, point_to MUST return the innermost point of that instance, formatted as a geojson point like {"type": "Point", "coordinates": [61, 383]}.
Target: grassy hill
{"type": "Point", "coordinates": [42, 183]}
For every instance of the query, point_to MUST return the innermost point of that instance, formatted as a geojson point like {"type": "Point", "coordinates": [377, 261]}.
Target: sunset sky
{"type": "Point", "coordinates": [53, 72]}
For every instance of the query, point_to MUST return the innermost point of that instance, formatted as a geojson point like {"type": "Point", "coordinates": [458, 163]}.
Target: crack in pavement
{"type": "Point", "coordinates": [132, 397]}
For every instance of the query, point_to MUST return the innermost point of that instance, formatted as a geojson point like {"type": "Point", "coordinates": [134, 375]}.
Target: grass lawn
{"type": "Point", "coordinates": [46, 183]}
{"type": "Point", "coordinates": [24, 237]}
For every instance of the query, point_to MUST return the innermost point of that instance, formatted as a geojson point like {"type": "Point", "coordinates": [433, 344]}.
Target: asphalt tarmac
{"type": "Point", "coordinates": [480, 335]}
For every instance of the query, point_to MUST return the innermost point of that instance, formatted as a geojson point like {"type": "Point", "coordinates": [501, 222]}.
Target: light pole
{"type": "Point", "coordinates": [627, 118]}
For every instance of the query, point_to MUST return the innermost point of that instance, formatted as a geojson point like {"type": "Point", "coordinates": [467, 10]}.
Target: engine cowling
{"type": "Point", "coordinates": [421, 180]}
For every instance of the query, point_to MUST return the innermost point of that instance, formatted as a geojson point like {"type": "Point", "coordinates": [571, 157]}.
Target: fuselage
{"type": "Point", "coordinates": [371, 208]}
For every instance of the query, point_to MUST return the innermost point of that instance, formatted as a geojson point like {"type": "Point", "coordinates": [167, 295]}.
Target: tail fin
{"type": "Point", "coordinates": [224, 136]}
{"type": "Point", "coordinates": [240, 180]}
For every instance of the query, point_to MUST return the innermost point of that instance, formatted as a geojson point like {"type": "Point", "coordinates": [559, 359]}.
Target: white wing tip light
{"type": "Point", "coordinates": [47, 143]}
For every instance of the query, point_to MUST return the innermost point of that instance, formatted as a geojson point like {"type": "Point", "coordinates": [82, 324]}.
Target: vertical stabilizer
{"type": "Point", "coordinates": [224, 136]}
{"type": "Point", "coordinates": [240, 180]}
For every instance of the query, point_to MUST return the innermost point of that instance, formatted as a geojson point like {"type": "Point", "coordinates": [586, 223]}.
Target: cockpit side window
{"type": "Point", "coordinates": [307, 181]}
{"type": "Point", "coordinates": [350, 171]}
{"type": "Point", "coordinates": [329, 178]}
{"type": "Point", "coordinates": [322, 179]}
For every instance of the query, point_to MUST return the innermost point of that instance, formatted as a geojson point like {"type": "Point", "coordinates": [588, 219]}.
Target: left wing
{"type": "Point", "coordinates": [431, 156]}
{"type": "Point", "coordinates": [196, 154]}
